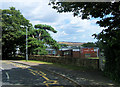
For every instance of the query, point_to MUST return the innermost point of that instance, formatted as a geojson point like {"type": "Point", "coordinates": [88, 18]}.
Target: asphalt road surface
{"type": "Point", "coordinates": [20, 75]}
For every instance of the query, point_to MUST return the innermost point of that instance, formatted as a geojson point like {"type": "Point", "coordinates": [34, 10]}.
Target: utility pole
{"type": "Point", "coordinates": [26, 46]}
{"type": "Point", "coordinates": [97, 52]}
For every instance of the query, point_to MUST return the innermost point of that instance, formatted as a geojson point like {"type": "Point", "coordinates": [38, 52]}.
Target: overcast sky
{"type": "Point", "coordinates": [69, 28]}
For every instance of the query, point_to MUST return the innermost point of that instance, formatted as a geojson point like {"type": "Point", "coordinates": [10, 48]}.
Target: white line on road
{"type": "Point", "coordinates": [1, 68]}
{"type": "Point", "coordinates": [7, 76]}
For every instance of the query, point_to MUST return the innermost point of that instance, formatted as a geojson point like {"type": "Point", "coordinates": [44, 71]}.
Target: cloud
{"type": "Point", "coordinates": [69, 28]}
{"type": "Point", "coordinates": [59, 36]}
{"type": "Point", "coordinates": [80, 31]}
{"type": "Point", "coordinates": [30, 1]}
{"type": "Point", "coordinates": [63, 33]}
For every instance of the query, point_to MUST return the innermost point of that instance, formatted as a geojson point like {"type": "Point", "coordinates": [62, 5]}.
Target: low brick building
{"type": "Point", "coordinates": [51, 51]}
{"type": "Point", "coordinates": [67, 52]}
{"type": "Point", "coordinates": [89, 52]}
{"type": "Point", "coordinates": [83, 52]}
{"type": "Point", "coordinates": [76, 53]}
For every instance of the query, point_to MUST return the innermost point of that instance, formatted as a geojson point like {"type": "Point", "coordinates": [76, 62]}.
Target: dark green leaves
{"type": "Point", "coordinates": [40, 39]}
{"type": "Point", "coordinates": [14, 26]}
{"type": "Point", "coordinates": [45, 27]}
{"type": "Point", "coordinates": [89, 44]}
{"type": "Point", "coordinates": [108, 15]}
{"type": "Point", "coordinates": [13, 30]}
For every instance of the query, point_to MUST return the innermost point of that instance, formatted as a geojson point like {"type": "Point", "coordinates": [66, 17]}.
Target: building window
{"type": "Point", "coordinates": [87, 55]}
{"type": "Point", "coordinates": [49, 52]}
{"type": "Point", "coordinates": [53, 51]}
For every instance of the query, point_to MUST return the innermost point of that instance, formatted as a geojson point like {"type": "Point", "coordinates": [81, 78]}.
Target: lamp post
{"type": "Point", "coordinates": [26, 46]}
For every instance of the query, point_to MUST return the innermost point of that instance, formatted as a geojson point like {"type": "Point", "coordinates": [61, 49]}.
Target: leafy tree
{"type": "Point", "coordinates": [40, 39]}
{"type": "Point", "coordinates": [89, 44]}
{"type": "Point", "coordinates": [108, 15]}
{"type": "Point", "coordinates": [14, 25]}
{"type": "Point", "coordinates": [63, 45]}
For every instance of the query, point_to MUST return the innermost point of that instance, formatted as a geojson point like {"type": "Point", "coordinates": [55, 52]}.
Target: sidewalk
{"type": "Point", "coordinates": [93, 77]}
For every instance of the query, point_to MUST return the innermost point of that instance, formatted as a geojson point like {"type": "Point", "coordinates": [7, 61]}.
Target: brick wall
{"type": "Point", "coordinates": [89, 63]}
{"type": "Point", "coordinates": [76, 54]}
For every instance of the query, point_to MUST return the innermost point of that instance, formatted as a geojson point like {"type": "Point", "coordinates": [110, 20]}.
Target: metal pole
{"type": "Point", "coordinates": [97, 52]}
{"type": "Point", "coordinates": [26, 46]}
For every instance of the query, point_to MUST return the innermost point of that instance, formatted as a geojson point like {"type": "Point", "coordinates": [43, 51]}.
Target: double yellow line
{"type": "Point", "coordinates": [48, 81]}
{"type": "Point", "coordinates": [42, 74]}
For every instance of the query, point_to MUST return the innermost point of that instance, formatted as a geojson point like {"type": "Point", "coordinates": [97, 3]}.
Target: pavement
{"type": "Point", "coordinates": [91, 78]}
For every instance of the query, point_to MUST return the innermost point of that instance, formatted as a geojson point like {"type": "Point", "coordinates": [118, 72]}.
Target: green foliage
{"type": "Point", "coordinates": [13, 30]}
{"type": "Point", "coordinates": [39, 39]}
{"type": "Point", "coordinates": [89, 44]}
{"type": "Point", "coordinates": [45, 27]}
{"type": "Point", "coordinates": [111, 45]}
{"type": "Point", "coordinates": [108, 39]}
{"type": "Point", "coordinates": [14, 26]}
{"type": "Point", "coordinates": [63, 45]}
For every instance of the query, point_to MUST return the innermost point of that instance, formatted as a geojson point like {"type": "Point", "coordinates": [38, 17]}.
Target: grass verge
{"type": "Point", "coordinates": [71, 67]}
{"type": "Point", "coordinates": [35, 61]}
{"type": "Point", "coordinates": [93, 57]}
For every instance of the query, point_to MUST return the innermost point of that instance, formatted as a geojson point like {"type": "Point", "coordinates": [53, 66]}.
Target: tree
{"type": "Point", "coordinates": [63, 45]}
{"type": "Point", "coordinates": [40, 39]}
{"type": "Point", "coordinates": [108, 15]}
{"type": "Point", "coordinates": [89, 44]}
{"type": "Point", "coordinates": [14, 25]}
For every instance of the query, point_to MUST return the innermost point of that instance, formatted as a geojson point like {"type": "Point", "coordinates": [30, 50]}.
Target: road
{"type": "Point", "coordinates": [17, 74]}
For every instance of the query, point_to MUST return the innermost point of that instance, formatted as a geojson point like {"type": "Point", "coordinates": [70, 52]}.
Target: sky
{"type": "Point", "coordinates": [69, 28]}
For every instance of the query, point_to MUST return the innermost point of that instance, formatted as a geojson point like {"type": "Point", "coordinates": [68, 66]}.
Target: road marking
{"type": "Point", "coordinates": [50, 82]}
{"type": "Point", "coordinates": [45, 77]}
{"type": "Point", "coordinates": [35, 72]}
{"type": "Point", "coordinates": [1, 68]}
{"type": "Point", "coordinates": [42, 74]}
{"type": "Point", "coordinates": [7, 76]}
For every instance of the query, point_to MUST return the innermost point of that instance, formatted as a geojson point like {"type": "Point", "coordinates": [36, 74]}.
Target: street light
{"type": "Point", "coordinates": [26, 46]}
